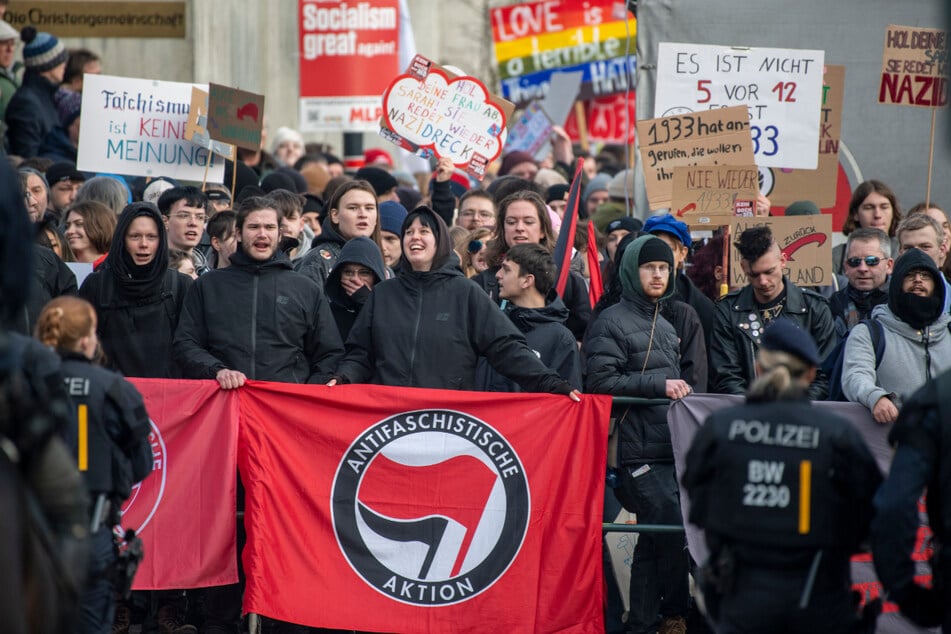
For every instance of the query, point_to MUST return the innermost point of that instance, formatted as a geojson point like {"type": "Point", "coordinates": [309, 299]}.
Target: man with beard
{"type": "Point", "coordinates": [917, 341]}
{"type": "Point", "coordinates": [868, 263]}
{"type": "Point", "coordinates": [256, 319]}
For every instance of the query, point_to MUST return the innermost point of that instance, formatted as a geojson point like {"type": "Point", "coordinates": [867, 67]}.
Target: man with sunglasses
{"type": "Point", "coordinates": [914, 328]}
{"type": "Point", "coordinates": [868, 263]}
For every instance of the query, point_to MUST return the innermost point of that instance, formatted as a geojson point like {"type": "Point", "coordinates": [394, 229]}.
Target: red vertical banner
{"type": "Point", "coordinates": [349, 53]}
{"type": "Point", "coordinates": [184, 511]}
{"type": "Point", "coordinates": [412, 510]}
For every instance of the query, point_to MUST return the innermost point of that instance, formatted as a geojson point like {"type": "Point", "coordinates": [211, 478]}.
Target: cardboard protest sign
{"type": "Point", "coordinates": [137, 127]}
{"type": "Point", "coordinates": [804, 240]}
{"type": "Point", "coordinates": [781, 87]}
{"type": "Point", "coordinates": [530, 132]}
{"type": "Point", "coordinates": [914, 67]}
{"type": "Point", "coordinates": [533, 40]}
{"type": "Point", "coordinates": [431, 111]}
{"type": "Point", "coordinates": [348, 55]}
{"type": "Point", "coordinates": [785, 186]}
{"type": "Point", "coordinates": [235, 116]}
{"type": "Point", "coordinates": [711, 194]}
{"type": "Point", "coordinates": [196, 127]}
{"type": "Point", "coordinates": [703, 138]}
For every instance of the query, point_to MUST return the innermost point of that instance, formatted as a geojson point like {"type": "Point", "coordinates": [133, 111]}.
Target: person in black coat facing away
{"type": "Point", "coordinates": [428, 326]}
{"type": "Point", "coordinates": [358, 269]}
{"type": "Point", "coordinates": [31, 113]}
{"type": "Point", "coordinates": [137, 297]}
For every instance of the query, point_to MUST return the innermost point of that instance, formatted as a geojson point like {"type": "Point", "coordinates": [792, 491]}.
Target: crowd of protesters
{"type": "Point", "coordinates": [307, 272]}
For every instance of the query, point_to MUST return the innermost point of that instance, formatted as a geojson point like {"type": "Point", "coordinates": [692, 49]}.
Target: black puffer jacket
{"type": "Point", "coordinates": [733, 347]}
{"type": "Point", "coordinates": [429, 328]}
{"type": "Point", "coordinates": [632, 350]}
{"type": "Point", "coordinates": [260, 318]}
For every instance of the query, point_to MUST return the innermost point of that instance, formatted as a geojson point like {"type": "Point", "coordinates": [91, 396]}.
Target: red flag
{"type": "Point", "coordinates": [184, 511]}
{"type": "Point", "coordinates": [595, 283]}
{"type": "Point", "coordinates": [566, 235]}
{"type": "Point", "coordinates": [411, 510]}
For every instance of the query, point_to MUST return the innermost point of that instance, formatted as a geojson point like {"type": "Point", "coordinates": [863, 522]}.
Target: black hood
{"type": "Point", "coordinates": [441, 232]}
{"type": "Point", "coordinates": [328, 233]}
{"type": "Point", "coordinates": [241, 260]}
{"type": "Point", "coordinates": [137, 282]}
{"type": "Point", "coordinates": [356, 251]}
{"type": "Point", "coordinates": [526, 319]}
{"type": "Point", "coordinates": [916, 311]}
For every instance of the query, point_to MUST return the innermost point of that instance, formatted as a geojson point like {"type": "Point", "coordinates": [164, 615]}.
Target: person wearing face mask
{"type": "Point", "coordinates": [359, 268]}
{"type": "Point", "coordinates": [136, 297]}
{"type": "Point", "coordinates": [916, 337]}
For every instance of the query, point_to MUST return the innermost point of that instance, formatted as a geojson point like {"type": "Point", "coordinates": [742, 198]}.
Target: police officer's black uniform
{"type": "Point", "coordinates": [783, 491]}
{"type": "Point", "coordinates": [923, 435]}
{"type": "Point", "coordinates": [113, 455]}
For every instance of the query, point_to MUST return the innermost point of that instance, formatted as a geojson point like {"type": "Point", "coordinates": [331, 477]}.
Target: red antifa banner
{"type": "Point", "coordinates": [184, 511]}
{"type": "Point", "coordinates": [411, 510]}
{"type": "Point", "coordinates": [685, 417]}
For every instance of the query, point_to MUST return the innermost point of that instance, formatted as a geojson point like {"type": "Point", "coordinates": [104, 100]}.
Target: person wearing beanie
{"type": "Point", "coordinates": [392, 215]}
{"type": "Point", "coordinates": [62, 142]}
{"type": "Point", "coordinates": [787, 564]}
{"type": "Point", "coordinates": [382, 181]}
{"type": "Point", "coordinates": [11, 69]}
{"type": "Point", "coordinates": [677, 236]}
{"type": "Point", "coordinates": [741, 316]}
{"type": "Point", "coordinates": [594, 194]}
{"type": "Point", "coordinates": [556, 197]}
{"type": "Point", "coordinates": [31, 113]}
{"type": "Point", "coordinates": [916, 337]}
{"type": "Point", "coordinates": [632, 350]}
{"type": "Point", "coordinates": [64, 181]}
{"type": "Point", "coordinates": [376, 157]}
{"type": "Point", "coordinates": [287, 146]}
{"type": "Point", "coordinates": [520, 164]}
{"type": "Point", "coordinates": [615, 232]}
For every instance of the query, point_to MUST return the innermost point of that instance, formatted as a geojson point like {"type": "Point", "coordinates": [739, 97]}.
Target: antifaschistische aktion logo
{"type": "Point", "coordinates": [430, 507]}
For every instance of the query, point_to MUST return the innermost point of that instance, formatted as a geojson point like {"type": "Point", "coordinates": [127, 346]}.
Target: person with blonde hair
{"type": "Point", "coordinates": [783, 492]}
{"type": "Point", "coordinates": [113, 448]}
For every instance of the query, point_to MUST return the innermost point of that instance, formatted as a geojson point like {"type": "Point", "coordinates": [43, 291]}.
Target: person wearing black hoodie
{"type": "Point", "coordinates": [359, 268]}
{"type": "Point", "coordinates": [527, 280]}
{"type": "Point", "coordinates": [428, 326]}
{"type": "Point", "coordinates": [137, 298]}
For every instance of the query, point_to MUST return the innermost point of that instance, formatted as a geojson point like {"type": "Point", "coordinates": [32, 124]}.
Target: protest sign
{"type": "Point", "coordinates": [704, 138]}
{"type": "Point", "coordinates": [530, 132]}
{"type": "Point", "coordinates": [781, 87]}
{"type": "Point", "coordinates": [914, 67]}
{"type": "Point", "coordinates": [196, 130]}
{"type": "Point", "coordinates": [607, 120]}
{"type": "Point", "coordinates": [533, 40]}
{"type": "Point", "coordinates": [786, 186]}
{"type": "Point", "coordinates": [70, 18]}
{"type": "Point", "coordinates": [805, 241]}
{"type": "Point", "coordinates": [430, 111]}
{"type": "Point", "coordinates": [706, 194]}
{"type": "Point", "coordinates": [235, 116]}
{"type": "Point", "coordinates": [137, 127]}
{"type": "Point", "coordinates": [348, 55]}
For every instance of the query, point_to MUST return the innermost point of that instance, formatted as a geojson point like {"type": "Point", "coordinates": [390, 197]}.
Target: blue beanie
{"type": "Point", "coordinates": [392, 215]}
{"type": "Point", "coordinates": [42, 51]}
{"type": "Point", "coordinates": [668, 224]}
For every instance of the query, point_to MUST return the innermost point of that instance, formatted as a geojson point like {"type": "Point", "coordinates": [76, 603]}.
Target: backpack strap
{"type": "Point", "coordinates": [877, 334]}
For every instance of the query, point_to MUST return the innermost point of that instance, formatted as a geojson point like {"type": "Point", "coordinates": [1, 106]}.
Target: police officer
{"type": "Point", "coordinates": [112, 446]}
{"type": "Point", "coordinates": [783, 491]}
{"type": "Point", "coordinates": [923, 435]}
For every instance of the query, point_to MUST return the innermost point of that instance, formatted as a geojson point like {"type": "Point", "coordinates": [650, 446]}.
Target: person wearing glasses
{"type": "Point", "coordinates": [742, 316]}
{"type": "Point", "coordinates": [185, 210]}
{"type": "Point", "coordinates": [358, 269]}
{"type": "Point", "coordinates": [868, 263]}
{"type": "Point", "coordinates": [923, 232]}
{"type": "Point", "coordinates": [917, 342]}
